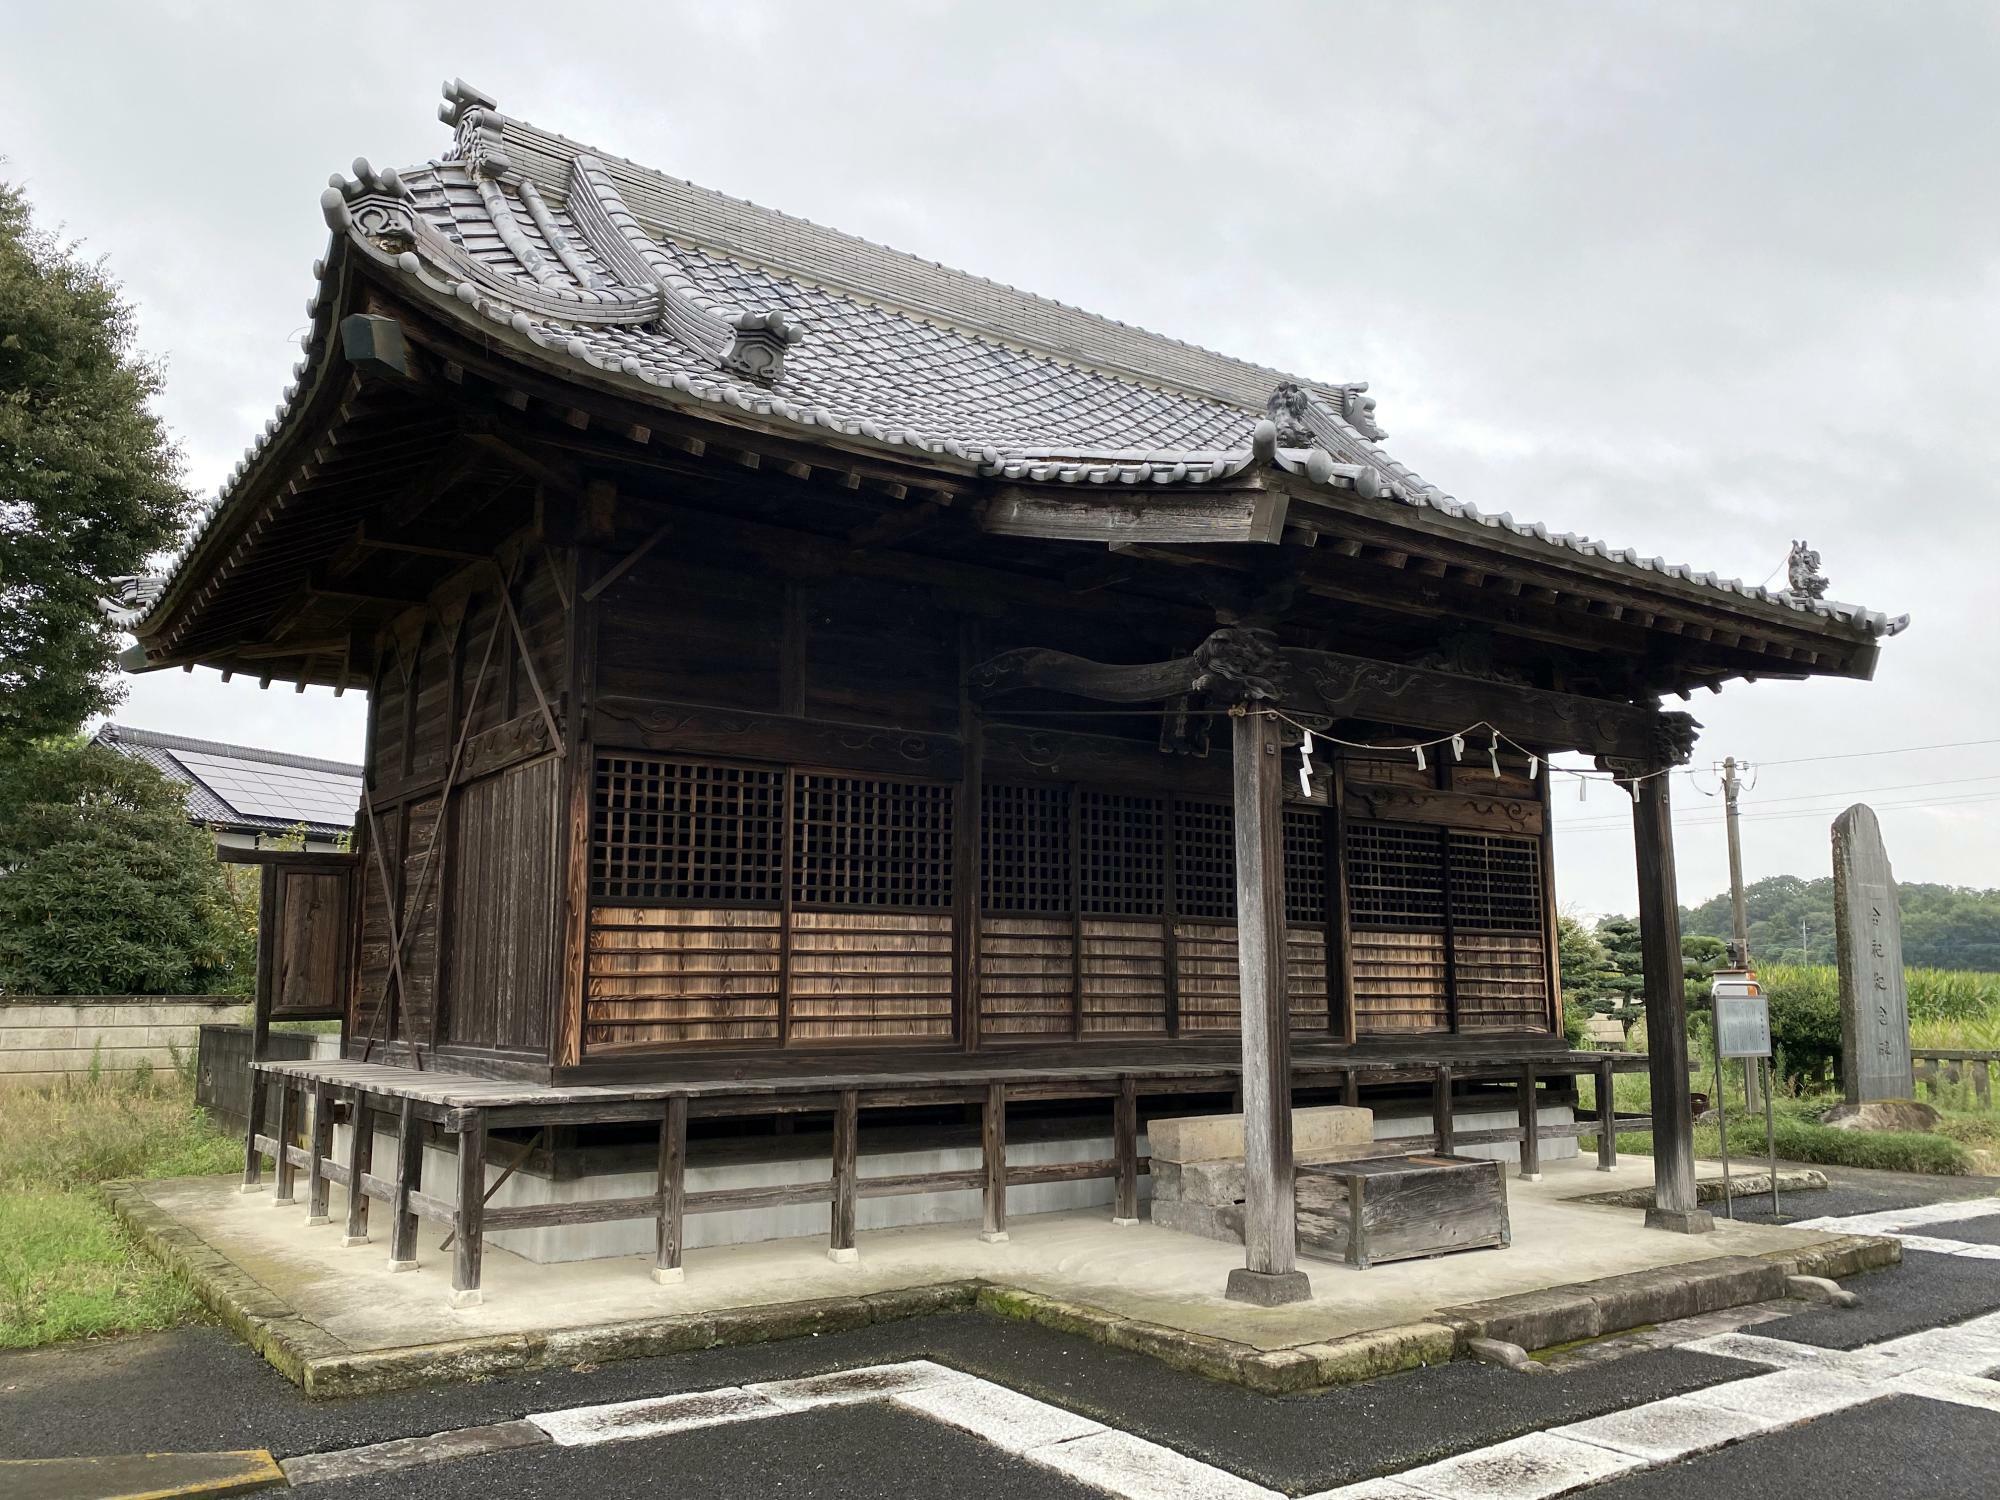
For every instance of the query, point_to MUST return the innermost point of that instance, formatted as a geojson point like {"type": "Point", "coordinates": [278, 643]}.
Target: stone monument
{"type": "Point", "coordinates": [1868, 930]}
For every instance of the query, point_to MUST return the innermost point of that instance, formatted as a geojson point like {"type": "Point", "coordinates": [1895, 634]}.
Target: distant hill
{"type": "Point", "coordinates": [1944, 926]}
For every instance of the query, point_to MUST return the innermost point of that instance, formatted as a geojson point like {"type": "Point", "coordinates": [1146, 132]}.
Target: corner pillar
{"type": "Point", "coordinates": [1675, 1205]}
{"type": "Point", "coordinates": [1270, 1274]}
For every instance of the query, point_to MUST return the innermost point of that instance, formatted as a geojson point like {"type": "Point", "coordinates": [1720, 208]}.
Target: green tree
{"type": "Point", "coordinates": [1791, 921]}
{"type": "Point", "coordinates": [105, 887]}
{"type": "Point", "coordinates": [1582, 961]}
{"type": "Point", "coordinates": [89, 481]}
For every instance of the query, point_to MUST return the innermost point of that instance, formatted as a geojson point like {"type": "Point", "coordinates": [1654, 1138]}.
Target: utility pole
{"type": "Point", "coordinates": [1739, 915]}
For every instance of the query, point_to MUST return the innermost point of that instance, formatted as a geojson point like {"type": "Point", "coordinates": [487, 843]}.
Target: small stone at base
{"type": "Point", "coordinates": [1268, 1288]}
{"type": "Point", "coordinates": [250, 1187]}
{"type": "Point", "coordinates": [313, 1221]}
{"type": "Point", "coordinates": [846, 1257]}
{"type": "Point", "coordinates": [1124, 1223]}
{"type": "Point", "coordinates": [349, 1241]}
{"type": "Point", "coordinates": [993, 1236]}
{"type": "Point", "coordinates": [466, 1297]}
{"type": "Point", "coordinates": [1531, 1176]}
{"type": "Point", "coordinates": [402, 1265]}
{"type": "Point", "coordinates": [669, 1275]}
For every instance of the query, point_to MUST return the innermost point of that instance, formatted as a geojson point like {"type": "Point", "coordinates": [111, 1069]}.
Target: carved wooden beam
{"type": "Point", "coordinates": [1093, 513]}
{"type": "Point", "coordinates": [1237, 664]}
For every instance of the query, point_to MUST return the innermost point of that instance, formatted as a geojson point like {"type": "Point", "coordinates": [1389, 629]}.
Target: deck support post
{"type": "Point", "coordinates": [360, 1160]}
{"type": "Point", "coordinates": [1125, 1149]}
{"type": "Point", "coordinates": [253, 1154]}
{"type": "Point", "coordinates": [409, 1177]}
{"type": "Point", "coordinates": [846, 1121]}
{"type": "Point", "coordinates": [1350, 1088]}
{"type": "Point", "coordinates": [1607, 1118]}
{"type": "Point", "coordinates": [1531, 1127]}
{"type": "Point", "coordinates": [319, 1149]}
{"type": "Point", "coordinates": [1441, 1122]}
{"type": "Point", "coordinates": [673, 1191]}
{"type": "Point", "coordinates": [1675, 1206]}
{"type": "Point", "coordinates": [281, 1133]}
{"type": "Point", "coordinates": [1270, 1274]}
{"type": "Point", "coordinates": [993, 1154]}
{"type": "Point", "coordinates": [469, 1218]}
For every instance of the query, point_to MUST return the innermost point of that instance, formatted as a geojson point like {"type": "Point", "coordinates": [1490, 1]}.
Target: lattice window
{"type": "Point", "coordinates": [686, 833]}
{"type": "Point", "coordinates": [1305, 865]}
{"type": "Point", "coordinates": [1496, 882]}
{"type": "Point", "coordinates": [861, 842]}
{"type": "Point", "coordinates": [1205, 861]}
{"type": "Point", "coordinates": [1024, 859]}
{"type": "Point", "coordinates": [1395, 876]}
{"type": "Point", "coordinates": [1124, 841]}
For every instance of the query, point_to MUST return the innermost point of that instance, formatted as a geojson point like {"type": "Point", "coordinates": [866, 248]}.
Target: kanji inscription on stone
{"type": "Point", "coordinates": [1868, 931]}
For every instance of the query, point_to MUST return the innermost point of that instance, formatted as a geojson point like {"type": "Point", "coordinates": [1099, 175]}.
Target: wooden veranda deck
{"type": "Point", "coordinates": [468, 1107]}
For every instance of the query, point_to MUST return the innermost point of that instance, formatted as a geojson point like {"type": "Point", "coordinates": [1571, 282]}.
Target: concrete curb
{"type": "Point", "coordinates": [1743, 1185]}
{"type": "Point", "coordinates": [324, 1366]}
{"type": "Point", "coordinates": [140, 1476]}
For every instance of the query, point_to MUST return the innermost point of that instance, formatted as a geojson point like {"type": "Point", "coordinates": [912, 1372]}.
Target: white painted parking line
{"type": "Point", "coordinates": [1663, 1431]}
{"type": "Point", "coordinates": [844, 1387]}
{"type": "Point", "coordinates": [1535, 1467]}
{"type": "Point", "coordinates": [1007, 1419]}
{"type": "Point", "coordinates": [1133, 1469]}
{"type": "Point", "coordinates": [654, 1416]}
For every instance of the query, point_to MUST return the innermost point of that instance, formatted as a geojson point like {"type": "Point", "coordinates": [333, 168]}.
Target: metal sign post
{"type": "Point", "coordinates": [1743, 1029]}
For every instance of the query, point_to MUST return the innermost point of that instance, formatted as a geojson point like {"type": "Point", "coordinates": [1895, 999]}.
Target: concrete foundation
{"type": "Point", "coordinates": [340, 1321]}
{"type": "Point", "coordinates": [775, 1160]}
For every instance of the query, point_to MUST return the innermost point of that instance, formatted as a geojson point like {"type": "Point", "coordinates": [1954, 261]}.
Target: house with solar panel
{"type": "Point", "coordinates": [250, 797]}
{"type": "Point", "coordinates": [819, 697]}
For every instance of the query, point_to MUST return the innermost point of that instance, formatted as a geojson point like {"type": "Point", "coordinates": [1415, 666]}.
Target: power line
{"type": "Point", "coordinates": [1803, 760]}
{"type": "Point", "coordinates": [1603, 825]}
{"type": "Point", "coordinates": [1697, 817]}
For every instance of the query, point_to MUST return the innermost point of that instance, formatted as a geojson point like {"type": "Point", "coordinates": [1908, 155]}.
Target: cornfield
{"type": "Point", "coordinates": [1936, 995]}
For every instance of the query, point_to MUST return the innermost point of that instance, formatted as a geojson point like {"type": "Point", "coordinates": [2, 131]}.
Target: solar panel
{"type": "Point", "coordinates": [258, 789]}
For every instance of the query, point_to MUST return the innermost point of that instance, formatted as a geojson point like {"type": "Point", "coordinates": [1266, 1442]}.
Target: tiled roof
{"type": "Point", "coordinates": [241, 787]}
{"type": "Point", "coordinates": [698, 299]}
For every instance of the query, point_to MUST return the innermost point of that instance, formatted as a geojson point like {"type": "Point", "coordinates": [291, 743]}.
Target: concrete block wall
{"type": "Point", "coordinates": [44, 1040]}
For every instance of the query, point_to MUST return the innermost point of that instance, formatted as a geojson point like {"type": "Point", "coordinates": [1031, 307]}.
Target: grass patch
{"type": "Point", "coordinates": [1801, 1137]}
{"type": "Point", "coordinates": [68, 1269]}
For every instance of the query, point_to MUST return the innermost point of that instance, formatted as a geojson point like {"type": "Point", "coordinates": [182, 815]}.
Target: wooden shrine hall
{"type": "Point", "coordinates": [804, 680]}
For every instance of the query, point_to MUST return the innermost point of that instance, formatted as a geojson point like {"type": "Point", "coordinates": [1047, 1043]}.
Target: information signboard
{"type": "Point", "coordinates": [1742, 1025]}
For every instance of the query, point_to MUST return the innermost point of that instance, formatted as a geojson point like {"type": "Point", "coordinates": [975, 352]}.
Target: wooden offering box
{"type": "Point", "coordinates": [1401, 1207]}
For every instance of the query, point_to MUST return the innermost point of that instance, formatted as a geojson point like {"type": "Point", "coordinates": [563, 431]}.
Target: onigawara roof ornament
{"type": "Point", "coordinates": [1802, 569]}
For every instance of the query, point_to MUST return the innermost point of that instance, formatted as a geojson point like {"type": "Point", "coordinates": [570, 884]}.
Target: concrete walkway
{"type": "Point", "coordinates": [339, 1315]}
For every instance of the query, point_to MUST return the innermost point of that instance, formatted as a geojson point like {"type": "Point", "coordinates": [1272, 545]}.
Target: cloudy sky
{"type": "Point", "coordinates": [1696, 278]}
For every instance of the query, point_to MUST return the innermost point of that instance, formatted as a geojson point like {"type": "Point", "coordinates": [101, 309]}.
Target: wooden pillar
{"type": "Point", "coordinates": [1125, 1148]}
{"type": "Point", "coordinates": [993, 1152]}
{"type": "Point", "coordinates": [845, 1128]}
{"type": "Point", "coordinates": [1531, 1127]}
{"type": "Point", "coordinates": [360, 1160]}
{"type": "Point", "coordinates": [409, 1177]}
{"type": "Point", "coordinates": [1270, 1274]}
{"type": "Point", "coordinates": [1675, 1205]}
{"type": "Point", "coordinates": [319, 1148]}
{"type": "Point", "coordinates": [579, 783]}
{"type": "Point", "coordinates": [253, 1154]}
{"type": "Point", "coordinates": [1350, 1088]}
{"type": "Point", "coordinates": [469, 1218]}
{"type": "Point", "coordinates": [281, 1133]}
{"type": "Point", "coordinates": [1607, 1118]}
{"type": "Point", "coordinates": [1441, 1124]}
{"type": "Point", "coordinates": [673, 1191]}
{"type": "Point", "coordinates": [967, 820]}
